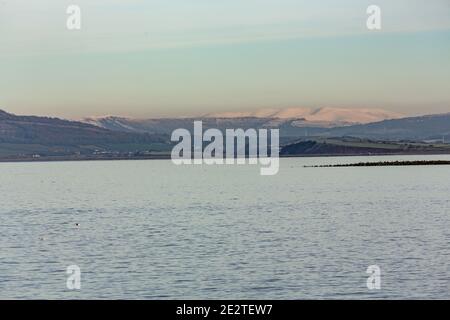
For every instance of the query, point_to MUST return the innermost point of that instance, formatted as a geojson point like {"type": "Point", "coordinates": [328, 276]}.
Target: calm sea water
{"type": "Point", "coordinates": [152, 230]}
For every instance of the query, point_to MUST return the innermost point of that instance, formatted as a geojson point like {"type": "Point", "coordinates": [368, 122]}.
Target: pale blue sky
{"type": "Point", "coordinates": [186, 57]}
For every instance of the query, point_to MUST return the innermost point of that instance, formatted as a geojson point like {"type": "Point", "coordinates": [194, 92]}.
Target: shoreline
{"type": "Point", "coordinates": [168, 157]}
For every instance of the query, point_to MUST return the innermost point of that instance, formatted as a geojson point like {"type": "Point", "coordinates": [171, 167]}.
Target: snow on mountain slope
{"type": "Point", "coordinates": [112, 123]}
{"type": "Point", "coordinates": [296, 117]}
{"type": "Point", "coordinates": [321, 115]}
{"type": "Point", "coordinates": [260, 113]}
{"type": "Point", "coordinates": [350, 115]}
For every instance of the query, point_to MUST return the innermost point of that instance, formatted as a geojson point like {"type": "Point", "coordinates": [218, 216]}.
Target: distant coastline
{"type": "Point", "coordinates": [167, 157]}
{"type": "Point", "coordinates": [84, 158]}
{"type": "Point", "coordinates": [38, 139]}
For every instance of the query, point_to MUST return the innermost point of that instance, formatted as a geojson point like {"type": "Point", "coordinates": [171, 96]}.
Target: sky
{"type": "Point", "coordinates": [158, 58]}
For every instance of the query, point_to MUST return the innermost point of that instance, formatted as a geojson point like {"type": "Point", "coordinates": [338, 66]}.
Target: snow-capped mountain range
{"type": "Point", "coordinates": [295, 117]}
{"type": "Point", "coordinates": [321, 115]}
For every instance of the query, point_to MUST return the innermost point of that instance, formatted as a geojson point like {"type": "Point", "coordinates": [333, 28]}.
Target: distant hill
{"type": "Point", "coordinates": [288, 130]}
{"type": "Point", "coordinates": [322, 117]}
{"type": "Point", "coordinates": [423, 128]}
{"type": "Point", "coordinates": [291, 120]}
{"type": "Point", "coordinates": [25, 135]}
{"type": "Point", "coordinates": [356, 146]}
{"type": "Point", "coordinates": [167, 126]}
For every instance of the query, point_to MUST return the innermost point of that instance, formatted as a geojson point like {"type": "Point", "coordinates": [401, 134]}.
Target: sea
{"type": "Point", "coordinates": [149, 229]}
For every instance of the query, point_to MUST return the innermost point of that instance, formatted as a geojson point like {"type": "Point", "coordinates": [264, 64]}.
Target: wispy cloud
{"type": "Point", "coordinates": [38, 27]}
